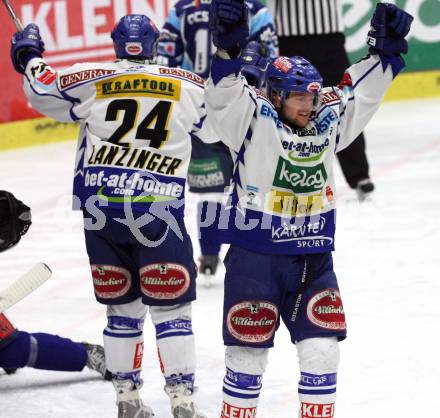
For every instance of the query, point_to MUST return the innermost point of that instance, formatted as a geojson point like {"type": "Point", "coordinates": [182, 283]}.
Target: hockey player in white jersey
{"type": "Point", "coordinates": [136, 122]}
{"type": "Point", "coordinates": [281, 214]}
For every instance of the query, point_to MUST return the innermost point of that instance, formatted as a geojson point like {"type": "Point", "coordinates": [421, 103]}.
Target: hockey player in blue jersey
{"type": "Point", "coordinates": [39, 350]}
{"type": "Point", "coordinates": [282, 204]}
{"type": "Point", "coordinates": [136, 119]}
{"type": "Point", "coordinates": [186, 42]}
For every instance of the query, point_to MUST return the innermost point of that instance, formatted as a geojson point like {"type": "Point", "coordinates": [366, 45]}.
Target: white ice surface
{"type": "Point", "coordinates": [386, 261]}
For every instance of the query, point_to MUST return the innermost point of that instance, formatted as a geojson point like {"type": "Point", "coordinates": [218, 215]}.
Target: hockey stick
{"type": "Point", "coordinates": [14, 16]}
{"type": "Point", "coordinates": [23, 286]}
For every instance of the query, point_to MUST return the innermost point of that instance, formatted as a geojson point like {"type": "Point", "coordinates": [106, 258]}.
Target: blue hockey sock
{"type": "Point", "coordinates": [209, 234]}
{"type": "Point", "coordinates": [44, 351]}
{"type": "Point", "coordinates": [187, 379]}
{"type": "Point", "coordinates": [240, 394]}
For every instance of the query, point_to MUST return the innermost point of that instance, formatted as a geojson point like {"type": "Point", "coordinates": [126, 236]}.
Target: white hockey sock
{"type": "Point", "coordinates": [175, 343]}
{"type": "Point", "coordinates": [242, 383]}
{"type": "Point", "coordinates": [123, 340]}
{"type": "Point", "coordinates": [319, 360]}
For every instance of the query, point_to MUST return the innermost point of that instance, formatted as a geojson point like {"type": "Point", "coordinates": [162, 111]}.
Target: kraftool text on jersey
{"type": "Point", "coordinates": [138, 84]}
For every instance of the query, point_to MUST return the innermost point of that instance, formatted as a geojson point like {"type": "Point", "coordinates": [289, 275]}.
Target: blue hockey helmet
{"type": "Point", "coordinates": [292, 74]}
{"type": "Point", "coordinates": [135, 37]}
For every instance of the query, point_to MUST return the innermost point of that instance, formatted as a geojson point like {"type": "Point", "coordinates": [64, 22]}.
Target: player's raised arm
{"type": "Point", "coordinates": [366, 82]}
{"type": "Point", "coordinates": [42, 84]}
{"type": "Point", "coordinates": [229, 100]}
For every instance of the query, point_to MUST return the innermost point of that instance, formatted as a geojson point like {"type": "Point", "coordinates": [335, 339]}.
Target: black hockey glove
{"type": "Point", "coordinates": [254, 63]}
{"type": "Point", "coordinates": [228, 21]}
{"type": "Point", "coordinates": [389, 26]}
{"type": "Point", "coordinates": [25, 46]}
{"type": "Point", "coordinates": [15, 220]}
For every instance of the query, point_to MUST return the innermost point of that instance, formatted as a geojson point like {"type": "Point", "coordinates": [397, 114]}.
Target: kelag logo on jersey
{"type": "Point", "coordinates": [299, 179]}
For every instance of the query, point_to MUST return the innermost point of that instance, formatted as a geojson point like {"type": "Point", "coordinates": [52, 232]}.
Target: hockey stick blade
{"type": "Point", "coordinates": [24, 286]}
{"type": "Point", "coordinates": [13, 15]}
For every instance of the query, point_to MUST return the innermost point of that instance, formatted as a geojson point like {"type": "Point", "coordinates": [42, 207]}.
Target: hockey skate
{"type": "Point", "coordinates": [182, 402]}
{"type": "Point", "coordinates": [128, 400]}
{"type": "Point", "coordinates": [208, 267]}
{"type": "Point", "coordinates": [96, 360]}
{"type": "Point", "coordinates": [364, 189]}
{"type": "Point", "coordinates": [134, 409]}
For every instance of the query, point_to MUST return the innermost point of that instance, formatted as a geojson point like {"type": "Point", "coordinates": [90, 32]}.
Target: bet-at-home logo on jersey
{"type": "Point", "coordinates": [299, 179]}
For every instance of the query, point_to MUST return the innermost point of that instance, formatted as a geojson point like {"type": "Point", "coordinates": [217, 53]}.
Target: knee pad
{"type": "Point", "coordinates": [123, 338]}
{"type": "Point", "coordinates": [318, 355]}
{"type": "Point", "coordinates": [249, 360]}
{"type": "Point", "coordinates": [318, 360]}
{"type": "Point", "coordinates": [175, 339]}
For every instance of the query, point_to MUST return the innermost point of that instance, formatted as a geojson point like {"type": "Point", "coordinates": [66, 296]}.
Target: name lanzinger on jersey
{"type": "Point", "coordinates": [133, 158]}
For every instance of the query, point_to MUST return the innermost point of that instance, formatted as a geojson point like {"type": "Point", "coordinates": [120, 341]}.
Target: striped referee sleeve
{"type": "Point", "coordinates": [306, 17]}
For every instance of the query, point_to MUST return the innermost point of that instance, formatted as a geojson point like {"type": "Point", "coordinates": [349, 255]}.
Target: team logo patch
{"type": "Point", "coordinates": [47, 78]}
{"type": "Point", "coordinates": [252, 321]}
{"type": "Point", "coordinates": [314, 87]}
{"type": "Point", "coordinates": [329, 193]}
{"type": "Point", "coordinates": [310, 410]}
{"type": "Point", "coordinates": [230, 411]}
{"type": "Point", "coordinates": [133, 48]}
{"type": "Point", "coordinates": [164, 281]}
{"type": "Point", "coordinates": [325, 310]}
{"type": "Point", "coordinates": [110, 281]}
{"type": "Point", "coordinates": [346, 81]}
{"type": "Point", "coordinates": [283, 64]}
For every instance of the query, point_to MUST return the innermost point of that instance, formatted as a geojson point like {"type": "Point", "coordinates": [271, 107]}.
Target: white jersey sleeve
{"type": "Point", "coordinates": [230, 107]}
{"type": "Point", "coordinates": [48, 90]}
{"type": "Point", "coordinates": [361, 91]}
